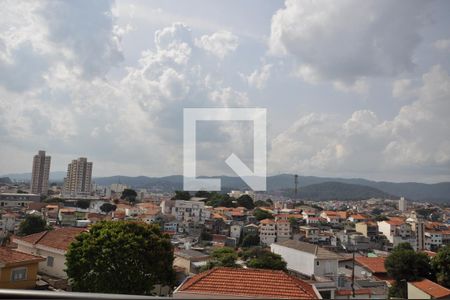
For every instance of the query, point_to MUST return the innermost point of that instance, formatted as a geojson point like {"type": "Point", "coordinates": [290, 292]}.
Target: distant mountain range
{"type": "Point", "coordinates": [310, 186]}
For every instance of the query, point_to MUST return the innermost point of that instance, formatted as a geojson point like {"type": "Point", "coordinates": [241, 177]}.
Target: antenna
{"type": "Point", "coordinates": [296, 185]}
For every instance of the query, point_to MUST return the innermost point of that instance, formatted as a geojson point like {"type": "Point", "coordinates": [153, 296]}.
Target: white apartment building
{"type": "Point", "coordinates": [284, 230]}
{"type": "Point", "coordinates": [398, 231]}
{"type": "Point", "coordinates": [190, 211]}
{"type": "Point", "coordinates": [40, 173]}
{"type": "Point", "coordinates": [78, 180]}
{"type": "Point", "coordinates": [433, 239]}
{"type": "Point", "coordinates": [402, 204]}
{"type": "Point", "coordinates": [267, 231]}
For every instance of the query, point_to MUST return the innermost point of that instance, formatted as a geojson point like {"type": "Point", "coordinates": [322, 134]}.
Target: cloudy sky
{"type": "Point", "coordinates": [352, 88]}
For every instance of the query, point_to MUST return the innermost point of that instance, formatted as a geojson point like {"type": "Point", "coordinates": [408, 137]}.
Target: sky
{"type": "Point", "coordinates": [352, 88]}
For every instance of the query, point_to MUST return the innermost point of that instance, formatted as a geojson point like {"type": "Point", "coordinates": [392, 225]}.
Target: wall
{"type": "Point", "coordinates": [415, 293]}
{"type": "Point", "coordinates": [299, 261]}
{"type": "Point", "coordinates": [325, 267]}
{"type": "Point", "coordinates": [30, 282]}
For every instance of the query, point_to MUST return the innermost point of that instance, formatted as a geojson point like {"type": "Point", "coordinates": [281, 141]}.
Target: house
{"type": "Point", "coordinates": [52, 245]}
{"type": "Point", "coordinates": [372, 267]}
{"type": "Point", "coordinates": [427, 289]}
{"type": "Point", "coordinates": [67, 216]}
{"type": "Point", "coordinates": [220, 283]}
{"type": "Point", "coordinates": [358, 218]}
{"type": "Point", "coordinates": [397, 231]}
{"type": "Point", "coordinates": [311, 234]}
{"type": "Point", "coordinates": [235, 231]}
{"type": "Point", "coordinates": [190, 211]}
{"type": "Point", "coordinates": [307, 259]}
{"type": "Point", "coordinates": [284, 230]}
{"type": "Point", "coordinates": [18, 270]}
{"type": "Point", "coordinates": [18, 199]}
{"type": "Point", "coordinates": [368, 229]}
{"type": "Point", "coordinates": [267, 231]}
{"type": "Point", "coordinates": [250, 229]}
{"type": "Point", "coordinates": [190, 260]}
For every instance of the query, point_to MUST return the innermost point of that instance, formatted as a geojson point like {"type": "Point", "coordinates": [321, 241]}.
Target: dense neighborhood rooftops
{"type": "Point", "coordinates": [252, 283]}
{"type": "Point", "coordinates": [191, 254]}
{"type": "Point", "coordinates": [431, 288]}
{"type": "Point", "coordinates": [9, 256]}
{"type": "Point", "coordinates": [319, 252]}
{"type": "Point", "coordinates": [59, 238]}
{"type": "Point", "coordinates": [373, 264]}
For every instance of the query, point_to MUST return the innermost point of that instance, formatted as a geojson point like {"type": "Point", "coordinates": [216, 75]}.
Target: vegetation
{"type": "Point", "coordinates": [120, 257]}
{"type": "Point", "coordinates": [84, 204]}
{"type": "Point", "coordinates": [404, 264]}
{"type": "Point", "coordinates": [215, 200]}
{"type": "Point", "coordinates": [261, 214]}
{"type": "Point", "coordinates": [32, 224]}
{"type": "Point", "coordinates": [53, 200]}
{"type": "Point", "coordinates": [441, 266]}
{"type": "Point", "coordinates": [250, 240]}
{"type": "Point", "coordinates": [129, 195]}
{"type": "Point", "coordinates": [107, 207]}
{"type": "Point", "coordinates": [245, 201]}
{"type": "Point", "coordinates": [263, 259]}
{"type": "Point", "coordinates": [181, 195]}
{"type": "Point", "coordinates": [222, 257]}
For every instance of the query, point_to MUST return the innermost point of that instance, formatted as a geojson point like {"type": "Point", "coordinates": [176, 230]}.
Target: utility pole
{"type": "Point", "coordinates": [296, 185]}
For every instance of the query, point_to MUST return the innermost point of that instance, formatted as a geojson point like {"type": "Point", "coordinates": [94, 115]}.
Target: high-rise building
{"type": "Point", "coordinates": [40, 173]}
{"type": "Point", "coordinates": [78, 179]}
{"type": "Point", "coordinates": [402, 204]}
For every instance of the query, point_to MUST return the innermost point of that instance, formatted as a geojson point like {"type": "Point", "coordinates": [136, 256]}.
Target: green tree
{"type": "Point", "coordinates": [267, 260]}
{"type": "Point", "coordinates": [217, 200]}
{"type": "Point", "coordinates": [202, 194]}
{"type": "Point", "coordinates": [223, 257]}
{"type": "Point", "coordinates": [441, 266]}
{"type": "Point", "coordinates": [129, 195]}
{"type": "Point", "coordinates": [83, 203]}
{"type": "Point", "coordinates": [404, 264]}
{"type": "Point", "coordinates": [107, 207]}
{"type": "Point", "coordinates": [246, 201]}
{"type": "Point", "coordinates": [32, 224]}
{"type": "Point", "coordinates": [262, 203]}
{"type": "Point", "coordinates": [250, 240]}
{"type": "Point", "coordinates": [21, 192]}
{"type": "Point", "coordinates": [181, 195]}
{"type": "Point", "coordinates": [120, 257]}
{"type": "Point", "coordinates": [261, 214]}
{"type": "Point", "coordinates": [269, 201]}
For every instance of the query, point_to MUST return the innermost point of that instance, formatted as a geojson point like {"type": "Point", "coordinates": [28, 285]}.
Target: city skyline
{"type": "Point", "coordinates": [349, 92]}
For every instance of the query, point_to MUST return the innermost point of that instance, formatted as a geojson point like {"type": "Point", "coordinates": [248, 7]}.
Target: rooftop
{"type": "Point", "coordinates": [373, 264]}
{"type": "Point", "coordinates": [59, 238]}
{"type": "Point", "coordinates": [431, 288]}
{"type": "Point", "coordinates": [319, 252]}
{"type": "Point", "coordinates": [248, 283]}
{"type": "Point", "coordinates": [9, 256]}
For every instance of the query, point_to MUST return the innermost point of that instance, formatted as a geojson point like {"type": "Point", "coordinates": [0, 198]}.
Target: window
{"type": "Point", "coordinates": [19, 274]}
{"type": "Point", "coordinates": [317, 263]}
{"type": "Point", "coordinates": [50, 260]}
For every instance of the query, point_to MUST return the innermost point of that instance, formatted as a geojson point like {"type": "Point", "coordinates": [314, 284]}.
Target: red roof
{"type": "Point", "coordinates": [267, 221]}
{"type": "Point", "coordinates": [373, 264]}
{"type": "Point", "coordinates": [9, 256]}
{"type": "Point", "coordinates": [248, 283]}
{"type": "Point", "coordinates": [431, 288]}
{"type": "Point", "coordinates": [59, 238]}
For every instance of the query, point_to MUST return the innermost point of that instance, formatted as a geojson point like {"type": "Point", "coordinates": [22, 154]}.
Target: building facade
{"type": "Point", "coordinates": [78, 180]}
{"type": "Point", "coordinates": [40, 173]}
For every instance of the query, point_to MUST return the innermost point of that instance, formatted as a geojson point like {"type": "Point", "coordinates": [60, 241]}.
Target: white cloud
{"type": "Point", "coordinates": [346, 41]}
{"type": "Point", "coordinates": [443, 44]}
{"type": "Point", "coordinates": [416, 138]}
{"type": "Point", "coordinates": [360, 86]}
{"type": "Point", "coordinates": [402, 88]}
{"type": "Point", "coordinates": [220, 43]}
{"type": "Point", "coordinates": [259, 78]}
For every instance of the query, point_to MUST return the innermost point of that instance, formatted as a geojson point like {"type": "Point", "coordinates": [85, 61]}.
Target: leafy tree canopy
{"type": "Point", "coordinates": [120, 257]}
{"type": "Point", "coordinates": [441, 266]}
{"type": "Point", "coordinates": [267, 260]}
{"type": "Point", "coordinates": [262, 214]}
{"type": "Point", "coordinates": [108, 207]}
{"type": "Point", "coordinates": [246, 201]}
{"type": "Point", "coordinates": [181, 195]}
{"type": "Point", "coordinates": [250, 240]}
{"type": "Point", "coordinates": [32, 224]}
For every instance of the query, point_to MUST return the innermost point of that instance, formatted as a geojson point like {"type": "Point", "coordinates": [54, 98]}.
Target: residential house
{"type": "Point", "coordinates": [284, 230]}
{"type": "Point", "coordinates": [250, 229]}
{"type": "Point", "coordinates": [397, 231]}
{"type": "Point", "coordinates": [190, 211]}
{"type": "Point", "coordinates": [358, 218]}
{"type": "Point", "coordinates": [237, 283]}
{"type": "Point", "coordinates": [307, 259]}
{"type": "Point", "coordinates": [235, 231]}
{"type": "Point", "coordinates": [267, 231]}
{"type": "Point", "coordinates": [310, 234]}
{"type": "Point", "coordinates": [368, 229]}
{"type": "Point", "coordinates": [52, 245]}
{"type": "Point", "coordinates": [427, 289]}
{"type": "Point", "coordinates": [18, 270]}
{"type": "Point", "coordinates": [190, 260]}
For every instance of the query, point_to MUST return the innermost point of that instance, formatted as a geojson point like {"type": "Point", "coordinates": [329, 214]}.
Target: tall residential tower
{"type": "Point", "coordinates": [78, 179]}
{"type": "Point", "coordinates": [40, 173]}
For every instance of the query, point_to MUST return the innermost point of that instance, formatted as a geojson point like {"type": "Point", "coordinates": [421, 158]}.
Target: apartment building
{"type": "Point", "coordinates": [398, 231]}
{"type": "Point", "coordinates": [78, 180]}
{"type": "Point", "coordinates": [190, 211]}
{"type": "Point", "coordinates": [40, 173]}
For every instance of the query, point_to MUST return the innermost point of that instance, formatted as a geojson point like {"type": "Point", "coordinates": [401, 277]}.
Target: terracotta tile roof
{"type": "Point", "coordinates": [358, 217]}
{"type": "Point", "coordinates": [9, 256]}
{"type": "Point", "coordinates": [267, 221]}
{"type": "Point", "coordinates": [59, 238]}
{"type": "Point", "coordinates": [429, 253]}
{"type": "Point", "coordinates": [373, 264]}
{"type": "Point", "coordinates": [248, 283]}
{"type": "Point", "coordinates": [431, 288]}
